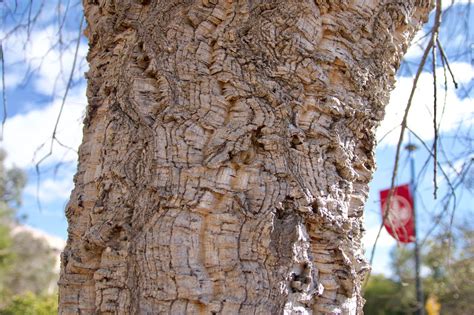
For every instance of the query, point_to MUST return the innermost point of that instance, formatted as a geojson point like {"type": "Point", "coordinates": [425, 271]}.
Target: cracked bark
{"type": "Point", "coordinates": [227, 151]}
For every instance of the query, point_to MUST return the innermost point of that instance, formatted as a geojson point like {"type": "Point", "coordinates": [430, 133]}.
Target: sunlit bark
{"type": "Point", "coordinates": [227, 151]}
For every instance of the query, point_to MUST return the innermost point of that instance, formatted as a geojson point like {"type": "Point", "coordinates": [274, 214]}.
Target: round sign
{"type": "Point", "coordinates": [399, 212]}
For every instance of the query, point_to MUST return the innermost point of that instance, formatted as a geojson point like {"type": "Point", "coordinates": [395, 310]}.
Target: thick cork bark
{"type": "Point", "coordinates": [227, 151]}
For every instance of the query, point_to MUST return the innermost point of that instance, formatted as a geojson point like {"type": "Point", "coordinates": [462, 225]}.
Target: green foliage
{"type": "Point", "coordinates": [32, 304]}
{"type": "Point", "coordinates": [384, 297]}
{"type": "Point", "coordinates": [5, 245]}
{"type": "Point", "coordinates": [33, 268]}
{"type": "Point", "coordinates": [26, 263]}
{"type": "Point", "coordinates": [448, 273]}
{"type": "Point", "coordinates": [6, 256]}
{"type": "Point", "coordinates": [12, 182]}
{"type": "Point", "coordinates": [452, 270]}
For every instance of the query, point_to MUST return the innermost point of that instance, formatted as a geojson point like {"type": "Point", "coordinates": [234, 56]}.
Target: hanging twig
{"type": "Point", "coordinates": [445, 76]}
{"type": "Point", "coordinates": [451, 186]}
{"type": "Point", "coordinates": [435, 112]}
{"type": "Point", "coordinates": [445, 59]}
{"type": "Point", "coordinates": [387, 134]}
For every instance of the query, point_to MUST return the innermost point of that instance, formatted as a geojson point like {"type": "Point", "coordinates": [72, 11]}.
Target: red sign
{"type": "Point", "coordinates": [398, 216]}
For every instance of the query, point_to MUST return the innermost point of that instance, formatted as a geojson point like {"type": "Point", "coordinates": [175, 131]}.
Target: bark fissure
{"type": "Point", "coordinates": [227, 151]}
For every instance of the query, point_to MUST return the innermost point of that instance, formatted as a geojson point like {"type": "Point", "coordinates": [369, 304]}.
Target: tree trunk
{"type": "Point", "coordinates": [227, 151]}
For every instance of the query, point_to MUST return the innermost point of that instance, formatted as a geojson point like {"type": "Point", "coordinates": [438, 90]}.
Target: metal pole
{"type": "Point", "coordinates": [420, 307]}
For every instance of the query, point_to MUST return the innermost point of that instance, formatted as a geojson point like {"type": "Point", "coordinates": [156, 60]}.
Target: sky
{"type": "Point", "coordinates": [38, 66]}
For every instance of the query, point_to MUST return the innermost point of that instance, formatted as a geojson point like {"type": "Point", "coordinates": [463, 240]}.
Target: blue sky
{"type": "Point", "coordinates": [37, 69]}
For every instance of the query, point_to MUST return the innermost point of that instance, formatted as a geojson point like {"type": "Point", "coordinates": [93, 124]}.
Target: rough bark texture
{"type": "Point", "coordinates": [227, 151]}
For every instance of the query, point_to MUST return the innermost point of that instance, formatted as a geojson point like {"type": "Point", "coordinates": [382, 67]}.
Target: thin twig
{"type": "Point", "coordinates": [445, 58]}
{"type": "Point", "coordinates": [387, 134]}
{"type": "Point", "coordinates": [445, 99]}
{"type": "Point", "coordinates": [435, 112]}
{"type": "Point", "coordinates": [28, 25]}
{"type": "Point", "coordinates": [63, 102]}
{"type": "Point", "coordinates": [445, 175]}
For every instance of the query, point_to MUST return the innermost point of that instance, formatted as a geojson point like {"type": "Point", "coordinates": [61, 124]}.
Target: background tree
{"type": "Point", "coordinates": [12, 182]}
{"type": "Point", "coordinates": [385, 296]}
{"type": "Point", "coordinates": [33, 268]}
{"type": "Point", "coordinates": [448, 273]}
{"type": "Point", "coordinates": [31, 304]}
{"type": "Point", "coordinates": [26, 263]}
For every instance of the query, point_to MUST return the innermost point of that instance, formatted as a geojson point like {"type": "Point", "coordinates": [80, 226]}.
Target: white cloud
{"type": "Point", "coordinates": [385, 240]}
{"type": "Point", "coordinates": [420, 119]}
{"type": "Point", "coordinates": [53, 241]}
{"type": "Point", "coordinates": [41, 53]}
{"type": "Point", "coordinates": [25, 133]}
{"type": "Point", "coordinates": [447, 3]}
{"type": "Point", "coordinates": [381, 263]}
{"type": "Point", "coordinates": [416, 47]}
{"type": "Point", "coordinates": [52, 189]}
{"type": "Point", "coordinates": [456, 168]}
{"type": "Point", "coordinates": [13, 79]}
